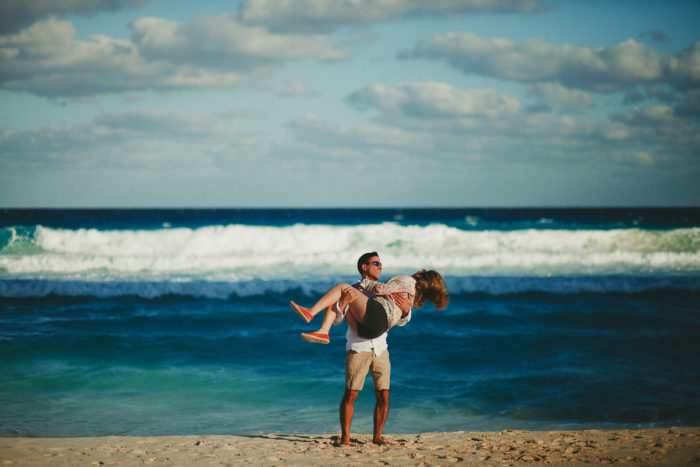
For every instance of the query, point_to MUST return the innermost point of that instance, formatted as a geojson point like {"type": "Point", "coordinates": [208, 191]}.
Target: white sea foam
{"type": "Point", "coordinates": [256, 252]}
{"type": "Point", "coordinates": [199, 259]}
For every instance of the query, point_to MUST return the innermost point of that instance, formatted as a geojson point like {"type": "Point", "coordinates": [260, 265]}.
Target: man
{"type": "Point", "coordinates": [363, 355]}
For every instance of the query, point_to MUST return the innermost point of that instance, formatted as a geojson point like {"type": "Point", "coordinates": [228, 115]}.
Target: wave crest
{"type": "Point", "coordinates": [300, 253]}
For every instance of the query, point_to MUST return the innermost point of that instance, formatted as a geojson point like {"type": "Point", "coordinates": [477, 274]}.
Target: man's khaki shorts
{"type": "Point", "coordinates": [357, 364]}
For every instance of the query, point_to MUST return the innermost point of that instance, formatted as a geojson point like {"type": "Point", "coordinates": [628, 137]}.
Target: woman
{"type": "Point", "coordinates": [371, 317]}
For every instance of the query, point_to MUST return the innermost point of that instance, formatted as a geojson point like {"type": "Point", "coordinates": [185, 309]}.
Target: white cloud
{"type": "Point", "coordinates": [602, 69]}
{"type": "Point", "coordinates": [328, 15]}
{"type": "Point", "coordinates": [685, 69]}
{"type": "Point", "coordinates": [47, 59]}
{"type": "Point", "coordinates": [435, 100]}
{"type": "Point", "coordinates": [463, 125]}
{"type": "Point", "coordinates": [135, 138]}
{"type": "Point", "coordinates": [360, 139]}
{"type": "Point", "coordinates": [670, 141]}
{"type": "Point", "coordinates": [555, 95]}
{"type": "Point", "coordinates": [16, 14]}
{"type": "Point", "coordinates": [155, 123]}
{"type": "Point", "coordinates": [653, 115]}
{"type": "Point", "coordinates": [483, 120]}
{"type": "Point", "coordinates": [224, 43]}
{"type": "Point", "coordinates": [512, 154]}
{"type": "Point", "coordinates": [421, 123]}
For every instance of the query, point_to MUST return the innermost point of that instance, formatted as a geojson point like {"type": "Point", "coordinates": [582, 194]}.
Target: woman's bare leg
{"type": "Point", "coordinates": [351, 321]}
{"type": "Point", "coordinates": [355, 313]}
{"type": "Point", "coordinates": [357, 310]}
{"type": "Point", "coordinates": [328, 299]}
{"type": "Point", "coordinates": [328, 318]}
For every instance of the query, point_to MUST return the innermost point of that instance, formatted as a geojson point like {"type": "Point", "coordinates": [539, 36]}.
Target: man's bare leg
{"type": "Point", "coordinates": [381, 412]}
{"type": "Point", "coordinates": [347, 410]}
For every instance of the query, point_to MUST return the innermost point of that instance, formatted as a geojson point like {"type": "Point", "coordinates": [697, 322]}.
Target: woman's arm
{"type": "Point", "coordinates": [369, 285]}
{"type": "Point", "coordinates": [398, 284]}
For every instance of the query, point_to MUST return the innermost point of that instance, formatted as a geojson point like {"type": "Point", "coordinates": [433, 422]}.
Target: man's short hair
{"type": "Point", "coordinates": [364, 259]}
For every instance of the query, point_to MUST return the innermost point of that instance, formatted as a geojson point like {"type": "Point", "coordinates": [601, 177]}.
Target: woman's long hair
{"type": "Point", "coordinates": [430, 286]}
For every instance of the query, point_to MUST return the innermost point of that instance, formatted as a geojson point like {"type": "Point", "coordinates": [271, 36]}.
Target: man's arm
{"type": "Point", "coordinates": [403, 302]}
{"type": "Point", "coordinates": [348, 296]}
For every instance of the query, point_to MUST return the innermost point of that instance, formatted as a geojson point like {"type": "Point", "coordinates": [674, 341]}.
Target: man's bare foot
{"type": "Point", "coordinates": [379, 440]}
{"type": "Point", "coordinates": [345, 442]}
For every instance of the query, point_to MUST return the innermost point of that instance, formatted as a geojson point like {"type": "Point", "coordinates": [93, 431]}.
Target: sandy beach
{"type": "Point", "coordinates": [671, 446]}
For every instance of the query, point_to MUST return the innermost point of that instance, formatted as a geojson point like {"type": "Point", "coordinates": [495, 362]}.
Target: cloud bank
{"type": "Point", "coordinates": [48, 60]}
{"type": "Point", "coordinates": [328, 15]}
{"type": "Point", "coordinates": [435, 100]}
{"type": "Point", "coordinates": [17, 14]}
{"type": "Point", "coordinates": [467, 123]}
{"type": "Point", "coordinates": [606, 69]}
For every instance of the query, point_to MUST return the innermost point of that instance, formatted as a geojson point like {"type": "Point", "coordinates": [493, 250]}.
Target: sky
{"type": "Point", "coordinates": [349, 103]}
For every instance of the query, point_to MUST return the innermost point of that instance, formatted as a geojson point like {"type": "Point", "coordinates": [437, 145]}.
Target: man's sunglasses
{"type": "Point", "coordinates": [375, 263]}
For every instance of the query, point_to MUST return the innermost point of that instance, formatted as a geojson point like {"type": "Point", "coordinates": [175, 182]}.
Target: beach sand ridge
{"type": "Point", "coordinates": [670, 446]}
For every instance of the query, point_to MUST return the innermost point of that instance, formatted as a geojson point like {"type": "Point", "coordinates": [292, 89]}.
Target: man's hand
{"type": "Point", "coordinates": [348, 296]}
{"type": "Point", "coordinates": [403, 302]}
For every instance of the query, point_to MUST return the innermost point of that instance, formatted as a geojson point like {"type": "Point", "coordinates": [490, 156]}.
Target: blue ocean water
{"type": "Point", "coordinates": [164, 322]}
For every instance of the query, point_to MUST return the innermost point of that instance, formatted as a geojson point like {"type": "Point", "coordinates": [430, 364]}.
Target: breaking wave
{"type": "Point", "coordinates": [224, 260]}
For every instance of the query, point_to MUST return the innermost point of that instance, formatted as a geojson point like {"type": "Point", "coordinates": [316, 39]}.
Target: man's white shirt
{"type": "Point", "coordinates": [359, 344]}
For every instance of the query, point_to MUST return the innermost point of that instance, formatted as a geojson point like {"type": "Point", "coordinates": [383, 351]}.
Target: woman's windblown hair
{"type": "Point", "coordinates": [430, 286]}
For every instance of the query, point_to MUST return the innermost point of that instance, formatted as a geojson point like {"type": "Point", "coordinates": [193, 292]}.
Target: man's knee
{"type": "Point", "coordinates": [382, 396]}
{"type": "Point", "coordinates": [350, 396]}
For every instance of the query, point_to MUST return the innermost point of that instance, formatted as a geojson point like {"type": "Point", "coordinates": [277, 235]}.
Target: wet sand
{"type": "Point", "coordinates": [669, 446]}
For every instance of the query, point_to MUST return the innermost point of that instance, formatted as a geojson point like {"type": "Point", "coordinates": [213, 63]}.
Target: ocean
{"type": "Point", "coordinates": [172, 322]}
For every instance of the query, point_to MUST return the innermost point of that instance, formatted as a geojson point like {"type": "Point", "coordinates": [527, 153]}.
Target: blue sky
{"type": "Point", "coordinates": [329, 103]}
